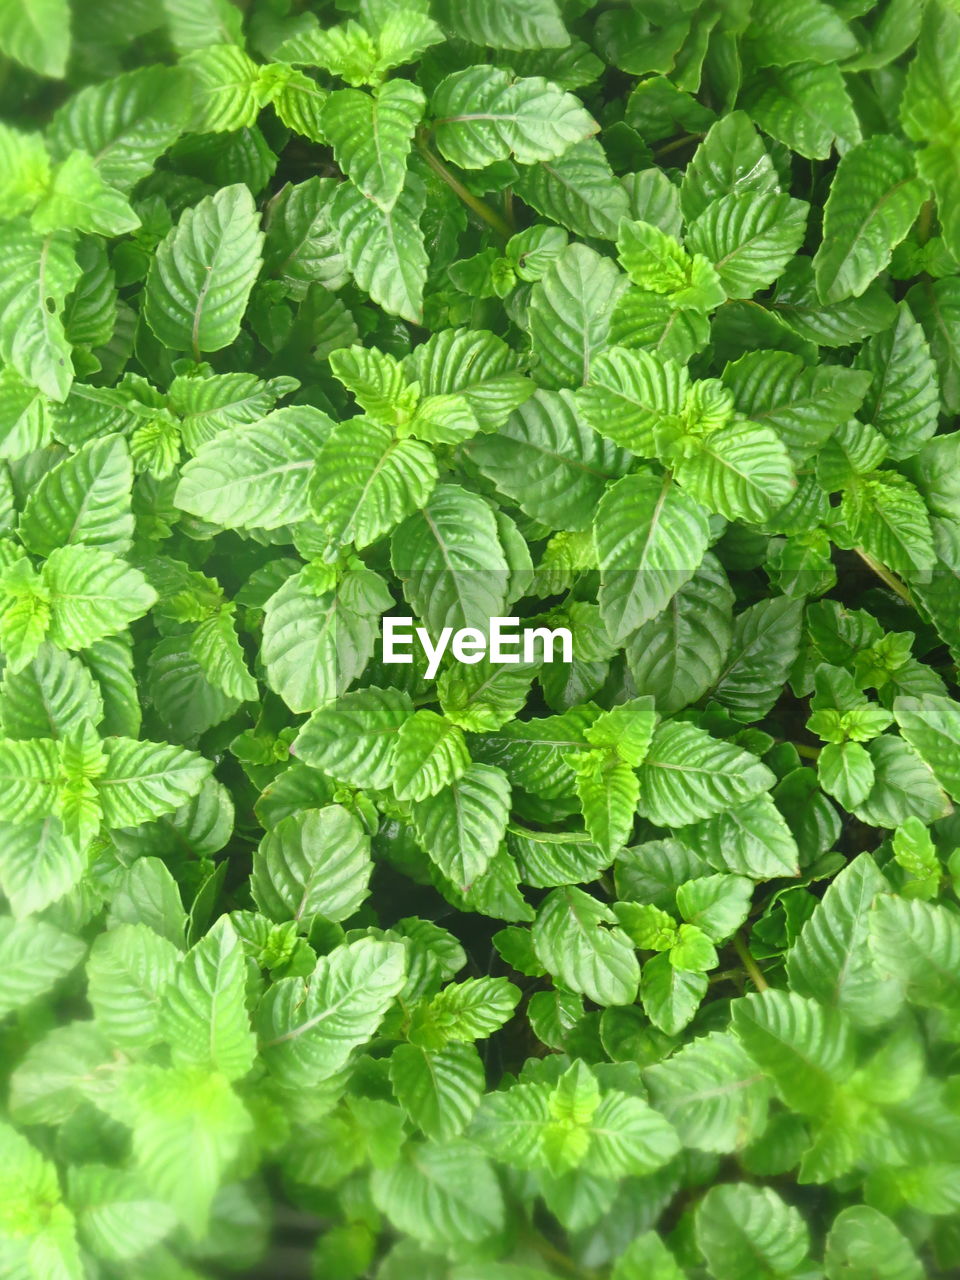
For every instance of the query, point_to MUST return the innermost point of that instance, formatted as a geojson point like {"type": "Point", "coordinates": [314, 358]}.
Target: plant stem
{"type": "Point", "coordinates": [807, 752]}
{"type": "Point", "coordinates": [676, 144]}
{"type": "Point", "coordinates": [748, 962]}
{"type": "Point", "coordinates": [884, 574]}
{"type": "Point", "coordinates": [477, 206]}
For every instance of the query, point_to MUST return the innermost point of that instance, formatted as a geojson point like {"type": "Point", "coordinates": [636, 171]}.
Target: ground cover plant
{"type": "Point", "coordinates": [640, 320]}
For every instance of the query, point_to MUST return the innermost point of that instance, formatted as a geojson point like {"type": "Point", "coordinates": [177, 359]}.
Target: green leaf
{"type": "Point", "coordinates": [463, 1011]}
{"type": "Point", "coordinates": [574, 943]}
{"type": "Point", "coordinates": [203, 1014]}
{"type": "Point", "coordinates": [718, 904]}
{"type": "Point", "coordinates": [743, 1229]}
{"type": "Point", "coordinates": [646, 1258]}
{"type": "Point", "coordinates": [874, 198]}
{"type": "Point", "coordinates": [204, 269]}
{"type": "Point", "coordinates": [371, 136]}
{"type": "Point", "coordinates": [658, 262]}
{"type": "Point", "coordinates": [257, 476]}
{"type": "Point", "coordinates": [688, 774]}
{"type": "Point", "coordinates": [886, 514]}
{"type": "Point", "coordinates": [116, 1214]}
{"type": "Point", "coordinates": [548, 460]}
{"type": "Point", "coordinates": [451, 563]}
{"type": "Point", "coordinates": [764, 647]}
{"type": "Point", "coordinates": [462, 825]}
{"type": "Point", "coordinates": [731, 159]}
{"type": "Point", "coordinates": [474, 364]}
{"type": "Point", "coordinates": [578, 190]}
{"type": "Point", "coordinates": [314, 646]}
{"type": "Point", "coordinates": [443, 1194]}
{"type": "Point", "coordinates": [483, 114]}
{"type": "Point", "coordinates": [84, 499]}
{"type": "Point", "coordinates": [651, 540]}
{"type": "Point", "coordinates": [124, 123]}
{"type": "Point", "coordinates": [128, 969]}
{"type": "Point", "coordinates": [309, 1027]}
{"type": "Point", "coordinates": [315, 862]}
{"type": "Point", "coordinates": [607, 789]}
{"type": "Point", "coordinates": [187, 1126]}
{"type": "Point", "coordinates": [514, 24]}
{"type": "Point", "coordinates": [36, 33]}
{"type": "Point", "coordinates": [224, 88]}
{"type": "Point", "coordinates": [143, 780]}
{"type": "Point", "coordinates": [803, 405]}
{"type": "Point", "coordinates": [79, 199]}
{"type": "Point", "coordinates": [677, 656]}
{"type": "Point", "coordinates": [439, 1090]}
{"type": "Point", "coordinates": [35, 956]}
{"type": "Point", "coordinates": [430, 753]}
{"type": "Point", "coordinates": [904, 786]}
{"type": "Point", "coordinates": [931, 725]}
{"type": "Point", "coordinates": [92, 594]}
{"type": "Point", "coordinates": [533, 753]}
{"type": "Point", "coordinates": [797, 31]}
{"type": "Point", "coordinates": [38, 864]}
{"type": "Point", "coordinates": [630, 394]}
{"type": "Point", "coordinates": [749, 237]}
{"type": "Point", "coordinates": [805, 106]}
{"type": "Point", "coordinates": [712, 1093]}
{"type": "Point", "coordinates": [830, 961]}
{"type": "Point", "coordinates": [670, 996]}
{"type": "Point", "coordinates": [569, 315]}
{"type": "Point", "coordinates": [353, 738]}
{"type": "Point", "coordinates": [366, 482]}
{"type": "Point", "coordinates": [38, 272]}
{"type": "Point", "coordinates": [864, 1243]}
{"type": "Point", "coordinates": [741, 471]}
{"type": "Point", "coordinates": [804, 1047]}
{"type": "Point", "coordinates": [902, 402]}
{"type": "Point", "coordinates": [384, 249]}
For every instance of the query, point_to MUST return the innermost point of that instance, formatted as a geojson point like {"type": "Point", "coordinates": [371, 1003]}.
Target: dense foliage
{"type": "Point", "coordinates": [642, 320]}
